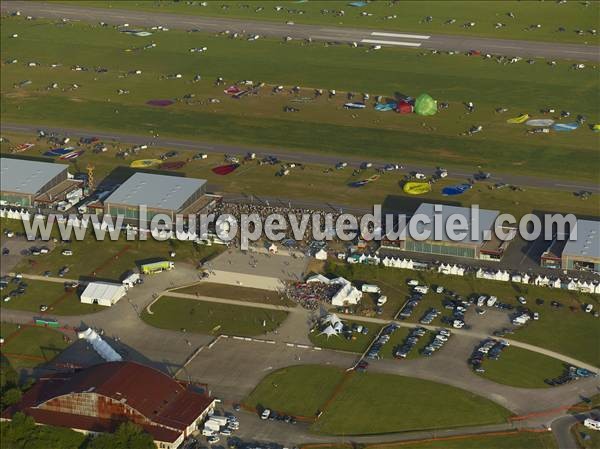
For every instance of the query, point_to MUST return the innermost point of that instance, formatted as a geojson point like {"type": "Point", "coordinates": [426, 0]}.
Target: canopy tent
{"type": "Point", "coordinates": [329, 331]}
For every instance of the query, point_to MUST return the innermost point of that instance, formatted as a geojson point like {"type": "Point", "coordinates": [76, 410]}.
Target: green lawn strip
{"type": "Point", "coordinates": [358, 343]}
{"type": "Point", "coordinates": [112, 258]}
{"type": "Point", "coordinates": [373, 403]}
{"type": "Point", "coordinates": [249, 294]}
{"type": "Point", "coordinates": [313, 129]}
{"type": "Point", "coordinates": [35, 344]}
{"type": "Point", "coordinates": [50, 294]}
{"type": "Point", "coordinates": [404, 16]}
{"type": "Point", "coordinates": [212, 318]}
{"type": "Point", "coordinates": [586, 438]}
{"type": "Point", "coordinates": [307, 185]}
{"type": "Point", "coordinates": [519, 367]}
{"type": "Point", "coordinates": [397, 339]}
{"type": "Point", "coordinates": [565, 331]}
{"type": "Point", "coordinates": [517, 440]}
{"type": "Point", "coordinates": [299, 390]}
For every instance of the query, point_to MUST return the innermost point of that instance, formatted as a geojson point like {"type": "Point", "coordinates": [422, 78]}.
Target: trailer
{"type": "Point", "coordinates": [591, 424]}
{"type": "Point", "coordinates": [157, 267]}
{"type": "Point", "coordinates": [370, 288]}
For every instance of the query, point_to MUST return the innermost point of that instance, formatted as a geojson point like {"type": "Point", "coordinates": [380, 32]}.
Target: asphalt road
{"type": "Point", "coordinates": [561, 428]}
{"type": "Point", "coordinates": [315, 32]}
{"type": "Point", "coordinates": [290, 156]}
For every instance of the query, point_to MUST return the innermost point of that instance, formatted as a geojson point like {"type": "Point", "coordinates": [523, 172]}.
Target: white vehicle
{"type": "Point", "coordinates": [67, 252]}
{"type": "Point", "coordinates": [420, 176]}
{"type": "Point", "coordinates": [213, 439]}
{"type": "Point", "coordinates": [370, 288]}
{"type": "Point", "coordinates": [9, 234]}
{"type": "Point", "coordinates": [131, 280]}
{"type": "Point", "coordinates": [381, 300]}
{"type": "Point", "coordinates": [265, 414]}
{"type": "Point", "coordinates": [207, 433]}
{"type": "Point", "coordinates": [439, 289]}
{"type": "Point", "coordinates": [589, 308]}
{"type": "Point", "coordinates": [491, 301]}
{"type": "Point", "coordinates": [421, 289]}
{"type": "Point", "coordinates": [458, 324]}
{"type": "Point", "coordinates": [442, 172]}
{"type": "Point", "coordinates": [591, 424]}
{"type": "Point", "coordinates": [44, 250]}
{"type": "Point", "coordinates": [211, 425]}
{"type": "Point", "coordinates": [481, 300]}
{"type": "Point", "coordinates": [522, 300]}
{"type": "Point", "coordinates": [413, 282]}
{"type": "Point", "coordinates": [536, 316]}
{"type": "Point", "coordinates": [222, 420]}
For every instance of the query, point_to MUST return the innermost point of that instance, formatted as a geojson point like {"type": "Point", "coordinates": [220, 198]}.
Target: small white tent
{"type": "Point", "coordinates": [102, 293]}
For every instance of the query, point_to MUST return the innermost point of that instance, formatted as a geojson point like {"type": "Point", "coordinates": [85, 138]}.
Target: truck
{"type": "Point", "coordinates": [131, 279]}
{"type": "Point", "coordinates": [212, 425]}
{"type": "Point", "coordinates": [157, 267]}
{"type": "Point", "coordinates": [591, 424]}
{"type": "Point", "coordinates": [370, 288]}
{"type": "Point", "coordinates": [222, 420]}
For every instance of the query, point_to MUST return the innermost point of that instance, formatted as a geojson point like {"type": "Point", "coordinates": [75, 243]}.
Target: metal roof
{"type": "Point", "coordinates": [486, 222]}
{"type": "Point", "coordinates": [24, 176]}
{"type": "Point", "coordinates": [161, 399]}
{"type": "Point", "coordinates": [587, 243]}
{"type": "Point", "coordinates": [104, 291]}
{"type": "Point", "coordinates": [155, 191]}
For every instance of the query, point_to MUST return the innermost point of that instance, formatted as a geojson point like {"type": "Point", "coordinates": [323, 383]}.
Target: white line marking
{"type": "Point", "coordinates": [403, 44]}
{"type": "Point", "coordinates": [404, 36]}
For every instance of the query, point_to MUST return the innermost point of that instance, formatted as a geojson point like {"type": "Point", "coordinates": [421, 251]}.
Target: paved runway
{"type": "Point", "coordinates": [333, 34]}
{"type": "Point", "coordinates": [289, 156]}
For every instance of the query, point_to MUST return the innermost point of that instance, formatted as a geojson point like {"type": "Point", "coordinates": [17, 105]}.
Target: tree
{"type": "Point", "coordinates": [22, 433]}
{"type": "Point", "coordinates": [11, 397]}
{"type": "Point", "coordinates": [127, 436]}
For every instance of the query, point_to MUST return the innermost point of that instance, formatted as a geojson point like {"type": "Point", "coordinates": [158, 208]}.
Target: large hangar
{"type": "Point", "coordinates": [101, 397]}
{"type": "Point", "coordinates": [160, 194]}
{"type": "Point", "coordinates": [485, 244]}
{"type": "Point", "coordinates": [27, 183]}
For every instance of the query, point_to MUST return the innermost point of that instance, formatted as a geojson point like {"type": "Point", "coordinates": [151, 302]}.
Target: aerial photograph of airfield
{"type": "Point", "coordinates": [299, 224]}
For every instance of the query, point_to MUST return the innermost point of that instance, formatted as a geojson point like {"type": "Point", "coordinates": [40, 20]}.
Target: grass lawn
{"type": "Point", "coordinates": [299, 390]}
{"type": "Point", "coordinates": [373, 403]}
{"type": "Point", "coordinates": [51, 294]}
{"type": "Point", "coordinates": [522, 368]}
{"type": "Point", "coordinates": [212, 318]}
{"type": "Point", "coordinates": [562, 330]}
{"type": "Point", "coordinates": [358, 343]}
{"type": "Point", "coordinates": [31, 345]}
{"type": "Point", "coordinates": [522, 440]}
{"type": "Point", "coordinates": [321, 125]}
{"type": "Point", "coordinates": [235, 292]}
{"type": "Point", "coordinates": [586, 438]}
{"type": "Point", "coordinates": [111, 259]}
{"type": "Point", "coordinates": [405, 16]}
{"type": "Point", "coordinates": [307, 184]}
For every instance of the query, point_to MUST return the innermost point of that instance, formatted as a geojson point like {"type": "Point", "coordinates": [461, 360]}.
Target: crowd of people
{"type": "Point", "coordinates": [310, 295]}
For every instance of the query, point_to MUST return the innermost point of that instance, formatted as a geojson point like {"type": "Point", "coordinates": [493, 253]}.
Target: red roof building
{"type": "Point", "coordinates": [99, 398]}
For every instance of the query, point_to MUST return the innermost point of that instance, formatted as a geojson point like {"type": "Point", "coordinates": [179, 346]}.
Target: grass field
{"type": "Point", "coordinates": [30, 346]}
{"type": "Point", "coordinates": [307, 184]}
{"type": "Point", "coordinates": [51, 294]}
{"type": "Point", "coordinates": [405, 16]}
{"type": "Point", "coordinates": [521, 368]}
{"type": "Point", "coordinates": [235, 292]}
{"type": "Point", "coordinates": [565, 331]}
{"type": "Point", "coordinates": [321, 125]}
{"type": "Point", "coordinates": [586, 438]}
{"type": "Point", "coordinates": [111, 259]}
{"type": "Point", "coordinates": [358, 343]}
{"type": "Point", "coordinates": [368, 403]}
{"type": "Point", "coordinates": [522, 440]}
{"type": "Point", "coordinates": [280, 390]}
{"type": "Point", "coordinates": [212, 318]}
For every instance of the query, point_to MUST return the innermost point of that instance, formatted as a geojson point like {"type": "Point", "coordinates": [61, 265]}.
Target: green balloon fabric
{"type": "Point", "coordinates": [425, 105]}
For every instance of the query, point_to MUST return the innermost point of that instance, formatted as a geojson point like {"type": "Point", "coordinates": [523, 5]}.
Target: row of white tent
{"type": "Point", "coordinates": [540, 281]}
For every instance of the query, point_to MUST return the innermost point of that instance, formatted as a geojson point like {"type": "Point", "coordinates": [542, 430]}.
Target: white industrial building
{"type": "Point", "coordinates": [102, 293]}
